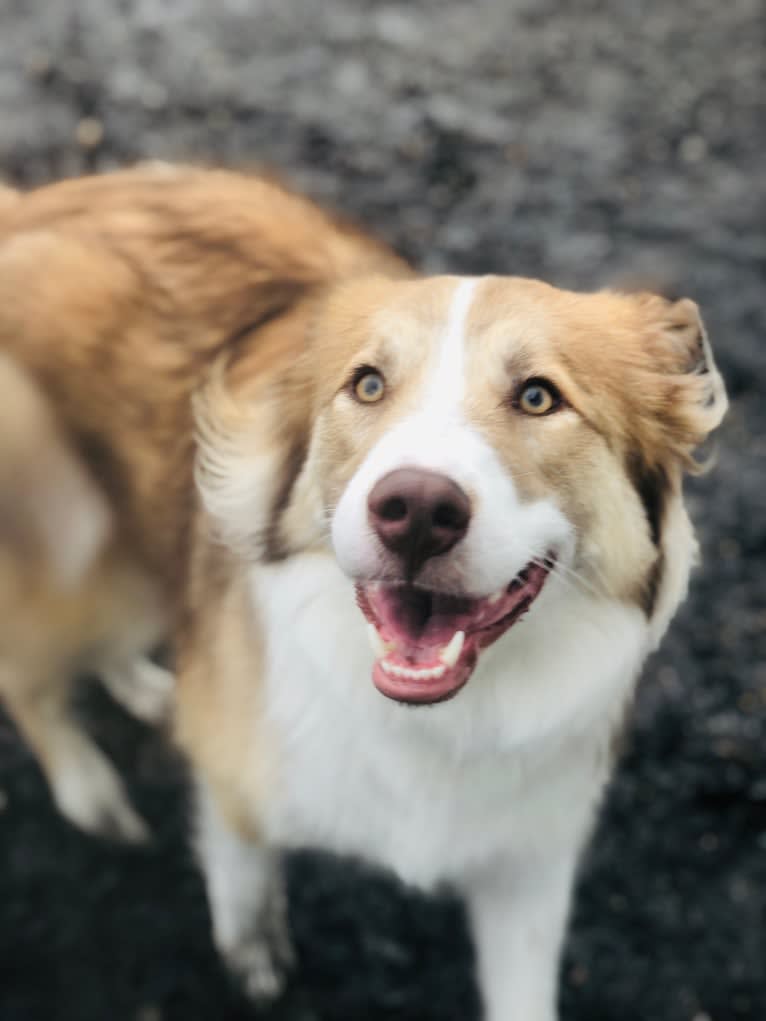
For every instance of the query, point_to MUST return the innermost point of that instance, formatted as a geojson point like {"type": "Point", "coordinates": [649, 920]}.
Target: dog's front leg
{"type": "Point", "coordinates": [248, 902]}
{"type": "Point", "coordinates": [518, 918]}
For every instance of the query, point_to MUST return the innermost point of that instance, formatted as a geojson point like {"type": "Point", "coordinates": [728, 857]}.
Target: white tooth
{"type": "Point", "coordinates": [497, 596]}
{"type": "Point", "coordinates": [413, 673]}
{"type": "Point", "coordinates": [451, 652]}
{"type": "Point", "coordinates": [378, 645]}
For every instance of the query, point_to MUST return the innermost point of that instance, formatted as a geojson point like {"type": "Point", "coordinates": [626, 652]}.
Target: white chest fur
{"type": "Point", "coordinates": [515, 762]}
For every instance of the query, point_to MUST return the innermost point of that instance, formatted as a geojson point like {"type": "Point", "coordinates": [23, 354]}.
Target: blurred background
{"type": "Point", "coordinates": [586, 143]}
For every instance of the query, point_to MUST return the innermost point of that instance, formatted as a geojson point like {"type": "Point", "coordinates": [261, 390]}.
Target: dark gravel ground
{"type": "Point", "coordinates": [583, 142]}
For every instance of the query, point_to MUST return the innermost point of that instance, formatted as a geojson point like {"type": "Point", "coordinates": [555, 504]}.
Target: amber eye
{"type": "Point", "coordinates": [538, 397]}
{"type": "Point", "coordinates": [369, 387]}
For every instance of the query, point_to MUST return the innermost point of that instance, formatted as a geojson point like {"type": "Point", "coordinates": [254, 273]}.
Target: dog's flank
{"type": "Point", "coordinates": [50, 506]}
{"type": "Point", "coordinates": [466, 493]}
{"type": "Point", "coordinates": [177, 264]}
{"type": "Point", "coordinates": [63, 594]}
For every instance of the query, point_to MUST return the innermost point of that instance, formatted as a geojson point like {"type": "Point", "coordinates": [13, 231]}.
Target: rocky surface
{"type": "Point", "coordinates": [584, 142]}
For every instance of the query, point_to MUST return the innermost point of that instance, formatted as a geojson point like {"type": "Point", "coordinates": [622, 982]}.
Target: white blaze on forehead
{"type": "Point", "coordinates": [446, 385]}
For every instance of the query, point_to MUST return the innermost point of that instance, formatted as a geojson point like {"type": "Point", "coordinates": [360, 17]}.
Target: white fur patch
{"type": "Point", "coordinates": [513, 765]}
{"type": "Point", "coordinates": [446, 385]}
{"type": "Point", "coordinates": [140, 686]}
{"type": "Point", "coordinates": [495, 791]}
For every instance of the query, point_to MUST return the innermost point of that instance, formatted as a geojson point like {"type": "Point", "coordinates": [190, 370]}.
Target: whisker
{"type": "Point", "coordinates": [579, 584]}
{"type": "Point", "coordinates": [571, 576]}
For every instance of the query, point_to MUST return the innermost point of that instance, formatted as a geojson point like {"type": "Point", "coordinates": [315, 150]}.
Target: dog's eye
{"type": "Point", "coordinates": [369, 386]}
{"type": "Point", "coordinates": [538, 397]}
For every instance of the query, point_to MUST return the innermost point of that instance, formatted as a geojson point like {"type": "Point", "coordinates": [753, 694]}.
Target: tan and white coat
{"type": "Point", "coordinates": [137, 295]}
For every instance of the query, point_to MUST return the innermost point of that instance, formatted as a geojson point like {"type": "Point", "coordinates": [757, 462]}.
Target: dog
{"type": "Point", "coordinates": [412, 538]}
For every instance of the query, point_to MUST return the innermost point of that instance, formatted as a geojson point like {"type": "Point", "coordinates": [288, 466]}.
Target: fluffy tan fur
{"type": "Point", "coordinates": [122, 295]}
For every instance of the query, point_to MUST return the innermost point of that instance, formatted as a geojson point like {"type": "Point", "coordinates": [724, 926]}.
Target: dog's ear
{"type": "Point", "coordinates": [253, 423]}
{"type": "Point", "coordinates": [52, 513]}
{"type": "Point", "coordinates": [678, 387]}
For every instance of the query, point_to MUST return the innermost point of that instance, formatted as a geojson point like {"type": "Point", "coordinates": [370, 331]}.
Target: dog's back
{"type": "Point", "coordinates": [117, 293]}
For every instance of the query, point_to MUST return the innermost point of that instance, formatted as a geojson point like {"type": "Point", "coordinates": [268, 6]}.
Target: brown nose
{"type": "Point", "coordinates": [418, 514]}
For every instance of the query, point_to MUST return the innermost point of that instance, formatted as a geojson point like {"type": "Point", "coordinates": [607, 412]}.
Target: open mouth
{"type": "Point", "coordinates": [427, 643]}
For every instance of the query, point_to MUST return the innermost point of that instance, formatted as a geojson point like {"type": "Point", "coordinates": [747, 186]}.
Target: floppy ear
{"type": "Point", "coordinates": [253, 440]}
{"type": "Point", "coordinates": [680, 385]}
{"type": "Point", "coordinates": [51, 510]}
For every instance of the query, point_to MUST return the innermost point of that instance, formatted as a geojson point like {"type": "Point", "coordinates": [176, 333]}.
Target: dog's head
{"type": "Point", "coordinates": [465, 446]}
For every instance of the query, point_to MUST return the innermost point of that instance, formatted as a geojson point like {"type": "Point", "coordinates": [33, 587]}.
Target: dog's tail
{"type": "Point", "coordinates": [51, 509]}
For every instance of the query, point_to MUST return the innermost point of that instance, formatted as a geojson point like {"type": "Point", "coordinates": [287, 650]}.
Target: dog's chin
{"type": "Point", "coordinates": [427, 643]}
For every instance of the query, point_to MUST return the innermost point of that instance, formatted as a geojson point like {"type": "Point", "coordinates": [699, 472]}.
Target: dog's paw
{"type": "Point", "coordinates": [262, 957]}
{"type": "Point", "coordinates": [90, 794]}
{"type": "Point", "coordinates": [142, 687]}
{"type": "Point", "coordinates": [261, 966]}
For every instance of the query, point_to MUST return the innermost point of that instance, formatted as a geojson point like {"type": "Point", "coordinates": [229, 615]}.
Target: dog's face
{"type": "Point", "coordinates": [464, 445]}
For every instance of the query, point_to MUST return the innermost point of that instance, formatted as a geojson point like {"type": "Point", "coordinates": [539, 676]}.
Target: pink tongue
{"type": "Point", "coordinates": [418, 622]}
